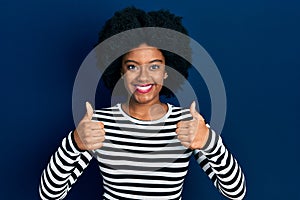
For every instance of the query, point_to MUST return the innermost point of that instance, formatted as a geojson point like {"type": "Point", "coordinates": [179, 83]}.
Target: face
{"type": "Point", "coordinates": [144, 72]}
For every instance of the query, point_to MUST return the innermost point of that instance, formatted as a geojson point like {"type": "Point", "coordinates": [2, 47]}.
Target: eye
{"type": "Point", "coordinates": [154, 67]}
{"type": "Point", "coordinates": [131, 67]}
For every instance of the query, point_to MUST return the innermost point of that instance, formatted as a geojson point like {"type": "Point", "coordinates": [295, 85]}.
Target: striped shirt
{"type": "Point", "coordinates": [142, 160]}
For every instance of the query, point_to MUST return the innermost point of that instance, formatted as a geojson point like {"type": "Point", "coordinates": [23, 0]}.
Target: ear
{"type": "Point", "coordinates": [166, 75]}
{"type": "Point", "coordinates": [122, 74]}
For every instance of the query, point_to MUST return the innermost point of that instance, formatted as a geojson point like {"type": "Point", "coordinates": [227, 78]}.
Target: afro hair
{"type": "Point", "coordinates": [133, 18]}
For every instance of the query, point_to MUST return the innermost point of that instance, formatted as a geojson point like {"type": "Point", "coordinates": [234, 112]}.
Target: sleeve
{"type": "Point", "coordinates": [65, 166]}
{"type": "Point", "coordinates": [221, 167]}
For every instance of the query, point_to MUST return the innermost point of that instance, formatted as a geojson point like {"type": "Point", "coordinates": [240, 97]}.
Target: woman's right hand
{"type": "Point", "coordinates": [89, 135]}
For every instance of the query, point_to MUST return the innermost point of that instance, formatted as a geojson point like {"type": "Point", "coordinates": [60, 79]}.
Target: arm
{"type": "Point", "coordinates": [212, 155]}
{"type": "Point", "coordinates": [65, 166]}
{"type": "Point", "coordinates": [72, 157]}
{"type": "Point", "coordinates": [221, 167]}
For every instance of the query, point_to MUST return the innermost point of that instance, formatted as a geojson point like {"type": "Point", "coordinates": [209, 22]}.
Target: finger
{"type": "Point", "coordinates": [88, 126]}
{"type": "Point", "coordinates": [186, 144]}
{"type": "Point", "coordinates": [97, 133]}
{"type": "Point", "coordinates": [183, 138]}
{"type": "Point", "coordinates": [89, 110]}
{"type": "Point", "coordinates": [92, 139]}
{"type": "Point", "coordinates": [97, 139]}
{"type": "Point", "coordinates": [96, 126]}
{"type": "Point", "coordinates": [101, 125]}
{"type": "Point", "coordinates": [195, 114]}
{"type": "Point", "coordinates": [183, 131]}
{"type": "Point", "coordinates": [93, 146]}
{"type": "Point", "coordinates": [97, 145]}
{"type": "Point", "coordinates": [183, 124]}
{"type": "Point", "coordinates": [193, 111]}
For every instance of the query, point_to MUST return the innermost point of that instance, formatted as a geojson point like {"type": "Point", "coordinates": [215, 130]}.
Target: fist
{"type": "Point", "coordinates": [193, 134]}
{"type": "Point", "coordinates": [89, 135]}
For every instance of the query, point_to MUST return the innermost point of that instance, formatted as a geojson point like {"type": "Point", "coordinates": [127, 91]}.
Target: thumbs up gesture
{"type": "Point", "coordinates": [89, 135]}
{"type": "Point", "coordinates": [193, 134]}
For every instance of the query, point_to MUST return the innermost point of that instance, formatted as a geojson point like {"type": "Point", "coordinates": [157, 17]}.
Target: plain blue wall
{"type": "Point", "coordinates": [254, 43]}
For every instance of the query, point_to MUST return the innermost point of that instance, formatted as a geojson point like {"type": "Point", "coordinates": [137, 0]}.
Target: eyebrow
{"type": "Point", "coordinates": [152, 61]}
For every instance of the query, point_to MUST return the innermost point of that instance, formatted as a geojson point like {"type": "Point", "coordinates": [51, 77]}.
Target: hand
{"type": "Point", "coordinates": [193, 134]}
{"type": "Point", "coordinates": [89, 135]}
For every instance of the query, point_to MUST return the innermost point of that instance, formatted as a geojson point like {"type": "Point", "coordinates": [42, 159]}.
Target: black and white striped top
{"type": "Point", "coordinates": [142, 160]}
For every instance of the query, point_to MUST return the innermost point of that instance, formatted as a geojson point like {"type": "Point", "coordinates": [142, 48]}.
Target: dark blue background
{"type": "Point", "coordinates": [254, 43]}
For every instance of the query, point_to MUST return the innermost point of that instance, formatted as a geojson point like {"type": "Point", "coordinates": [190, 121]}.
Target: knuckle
{"type": "Point", "coordinates": [85, 125]}
{"type": "Point", "coordinates": [191, 139]}
{"type": "Point", "coordinates": [85, 134]}
{"type": "Point", "coordinates": [101, 124]}
{"type": "Point", "coordinates": [186, 145]}
{"type": "Point", "coordinates": [87, 147]}
{"type": "Point", "coordinates": [88, 140]}
{"type": "Point", "coordinates": [192, 145]}
{"type": "Point", "coordinates": [85, 141]}
{"type": "Point", "coordinates": [101, 139]}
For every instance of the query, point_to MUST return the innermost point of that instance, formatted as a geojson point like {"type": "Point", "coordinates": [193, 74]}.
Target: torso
{"type": "Point", "coordinates": [142, 159]}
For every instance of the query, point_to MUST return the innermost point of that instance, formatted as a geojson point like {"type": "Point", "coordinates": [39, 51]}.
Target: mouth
{"type": "Point", "coordinates": [143, 88]}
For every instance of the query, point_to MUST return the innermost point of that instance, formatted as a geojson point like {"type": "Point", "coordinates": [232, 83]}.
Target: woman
{"type": "Point", "coordinates": [143, 146]}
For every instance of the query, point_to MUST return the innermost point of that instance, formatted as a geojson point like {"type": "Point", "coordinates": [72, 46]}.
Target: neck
{"type": "Point", "coordinates": [145, 111]}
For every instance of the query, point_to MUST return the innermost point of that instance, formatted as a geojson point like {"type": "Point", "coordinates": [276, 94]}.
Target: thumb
{"type": "Point", "coordinates": [193, 110]}
{"type": "Point", "coordinates": [89, 110]}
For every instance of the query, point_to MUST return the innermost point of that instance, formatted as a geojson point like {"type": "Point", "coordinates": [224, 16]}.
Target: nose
{"type": "Point", "coordinates": [143, 75]}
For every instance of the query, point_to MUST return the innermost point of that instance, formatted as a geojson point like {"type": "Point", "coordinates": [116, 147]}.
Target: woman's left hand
{"type": "Point", "coordinates": [193, 134]}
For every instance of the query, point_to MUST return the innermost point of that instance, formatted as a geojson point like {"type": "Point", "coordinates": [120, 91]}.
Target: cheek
{"type": "Point", "coordinates": [129, 77]}
{"type": "Point", "coordinates": [127, 81]}
{"type": "Point", "coordinates": [159, 78]}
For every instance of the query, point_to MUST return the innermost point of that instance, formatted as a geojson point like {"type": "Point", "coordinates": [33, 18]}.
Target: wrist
{"type": "Point", "coordinates": [77, 141]}
{"type": "Point", "coordinates": [207, 140]}
{"type": "Point", "coordinates": [201, 140]}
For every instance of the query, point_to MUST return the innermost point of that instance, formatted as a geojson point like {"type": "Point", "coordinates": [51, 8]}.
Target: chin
{"type": "Point", "coordinates": [144, 98]}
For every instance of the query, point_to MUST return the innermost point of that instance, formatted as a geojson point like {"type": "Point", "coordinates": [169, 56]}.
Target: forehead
{"type": "Point", "coordinates": [144, 53]}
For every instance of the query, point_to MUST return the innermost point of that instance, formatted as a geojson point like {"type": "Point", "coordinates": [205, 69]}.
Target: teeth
{"type": "Point", "coordinates": [144, 88]}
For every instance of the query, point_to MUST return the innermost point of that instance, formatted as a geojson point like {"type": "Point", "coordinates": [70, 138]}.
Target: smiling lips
{"type": "Point", "coordinates": [144, 88]}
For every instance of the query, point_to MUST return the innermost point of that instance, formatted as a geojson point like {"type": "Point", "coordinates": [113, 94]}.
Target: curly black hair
{"type": "Point", "coordinates": [133, 18]}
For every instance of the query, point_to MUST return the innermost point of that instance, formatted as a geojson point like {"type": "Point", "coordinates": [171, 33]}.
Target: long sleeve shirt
{"type": "Point", "coordinates": [142, 160]}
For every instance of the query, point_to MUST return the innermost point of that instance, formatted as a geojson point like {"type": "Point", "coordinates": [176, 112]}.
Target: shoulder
{"type": "Point", "coordinates": [107, 109]}
{"type": "Point", "coordinates": [180, 112]}
{"type": "Point", "coordinates": [106, 113]}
